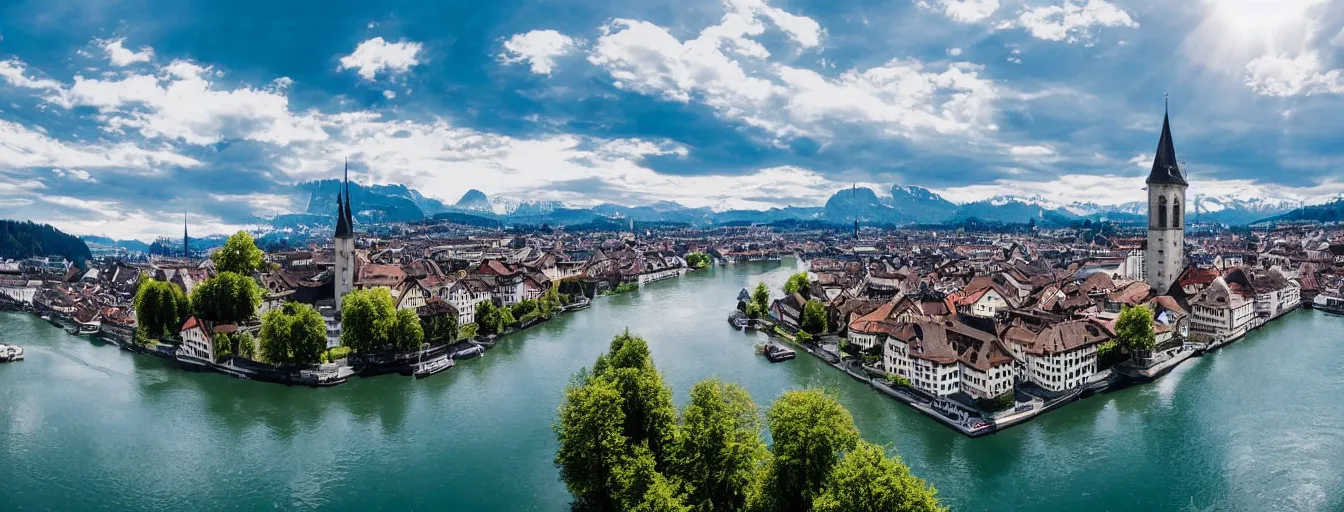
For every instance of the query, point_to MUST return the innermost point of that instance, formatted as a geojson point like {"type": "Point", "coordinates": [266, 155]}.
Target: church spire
{"type": "Point", "coordinates": [186, 246]}
{"type": "Point", "coordinates": [344, 222]}
{"type": "Point", "coordinates": [1166, 170]}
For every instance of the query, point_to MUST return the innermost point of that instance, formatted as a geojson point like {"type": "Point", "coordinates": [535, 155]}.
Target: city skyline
{"type": "Point", "coordinates": [110, 124]}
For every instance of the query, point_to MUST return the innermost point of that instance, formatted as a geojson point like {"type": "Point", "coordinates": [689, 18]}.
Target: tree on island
{"type": "Point", "coordinates": [371, 323]}
{"type": "Point", "coordinates": [866, 480]}
{"type": "Point", "coordinates": [1134, 330]}
{"type": "Point", "coordinates": [622, 447]}
{"type": "Point", "coordinates": [760, 302]}
{"type": "Point", "coordinates": [227, 297]}
{"type": "Point", "coordinates": [797, 283]}
{"type": "Point", "coordinates": [239, 255]}
{"type": "Point", "coordinates": [160, 308]}
{"type": "Point", "coordinates": [814, 317]}
{"type": "Point", "coordinates": [293, 334]}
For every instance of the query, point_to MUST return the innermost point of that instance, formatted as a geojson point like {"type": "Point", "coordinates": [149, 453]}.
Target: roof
{"type": "Point", "coordinates": [1166, 170]}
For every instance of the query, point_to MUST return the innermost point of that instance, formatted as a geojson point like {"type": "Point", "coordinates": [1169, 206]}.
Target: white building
{"type": "Point", "coordinates": [1165, 256]}
{"type": "Point", "coordinates": [197, 341]}
{"type": "Point", "coordinates": [1221, 312]}
{"type": "Point", "coordinates": [1059, 357]}
{"type": "Point", "coordinates": [942, 357]}
{"type": "Point", "coordinates": [464, 295]}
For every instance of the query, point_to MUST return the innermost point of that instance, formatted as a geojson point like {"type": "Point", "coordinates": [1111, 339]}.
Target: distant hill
{"type": "Point", "coordinates": [378, 203]}
{"type": "Point", "coordinates": [474, 200]}
{"type": "Point", "coordinates": [22, 239]}
{"type": "Point", "coordinates": [129, 245]}
{"type": "Point", "coordinates": [1332, 211]}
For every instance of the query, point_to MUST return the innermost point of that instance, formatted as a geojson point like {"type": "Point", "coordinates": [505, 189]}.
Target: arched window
{"type": "Point", "coordinates": [1161, 212]}
{"type": "Point", "coordinates": [1175, 212]}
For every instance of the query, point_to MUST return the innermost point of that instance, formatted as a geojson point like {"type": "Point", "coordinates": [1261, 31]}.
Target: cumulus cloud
{"type": "Point", "coordinates": [962, 11]}
{"type": "Point", "coordinates": [25, 148]}
{"type": "Point", "coordinates": [1031, 151]}
{"type": "Point", "coordinates": [376, 56]}
{"type": "Point", "coordinates": [120, 56]}
{"type": "Point", "coordinates": [727, 69]}
{"type": "Point", "coordinates": [1285, 76]}
{"type": "Point", "coordinates": [1071, 21]}
{"type": "Point", "coordinates": [538, 48]}
{"type": "Point", "coordinates": [14, 72]}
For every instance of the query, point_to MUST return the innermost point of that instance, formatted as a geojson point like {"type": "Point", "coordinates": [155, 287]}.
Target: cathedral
{"type": "Point", "coordinates": [344, 241]}
{"type": "Point", "coordinates": [1165, 257]}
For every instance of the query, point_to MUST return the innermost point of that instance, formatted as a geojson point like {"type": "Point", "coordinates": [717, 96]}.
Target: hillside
{"type": "Point", "coordinates": [21, 239]}
{"type": "Point", "coordinates": [1332, 211]}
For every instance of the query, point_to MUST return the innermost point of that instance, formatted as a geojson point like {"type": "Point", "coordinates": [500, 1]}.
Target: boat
{"type": "Point", "coordinates": [426, 368]}
{"type": "Point", "coordinates": [1328, 303]}
{"type": "Point", "coordinates": [86, 329]}
{"type": "Point", "coordinates": [10, 353]}
{"type": "Point", "coordinates": [777, 353]}
{"type": "Point", "coordinates": [469, 352]}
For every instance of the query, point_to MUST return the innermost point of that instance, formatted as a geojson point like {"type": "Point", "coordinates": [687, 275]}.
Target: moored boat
{"type": "Point", "coordinates": [10, 353]}
{"type": "Point", "coordinates": [426, 368]}
{"type": "Point", "coordinates": [777, 353]}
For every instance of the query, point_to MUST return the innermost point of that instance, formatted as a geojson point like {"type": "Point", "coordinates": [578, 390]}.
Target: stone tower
{"type": "Point", "coordinates": [1165, 257]}
{"type": "Point", "coordinates": [344, 279]}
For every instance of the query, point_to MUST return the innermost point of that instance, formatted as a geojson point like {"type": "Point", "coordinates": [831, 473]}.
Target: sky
{"type": "Point", "coordinates": [117, 117]}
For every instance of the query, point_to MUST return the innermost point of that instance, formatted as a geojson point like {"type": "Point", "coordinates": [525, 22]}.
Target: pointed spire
{"type": "Point", "coordinates": [186, 246]}
{"type": "Point", "coordinates": [344, 228]}
{"type": "Point", "coordinates": [349, 208]}
{"type": "Point", "coordinates": [1166, 169]}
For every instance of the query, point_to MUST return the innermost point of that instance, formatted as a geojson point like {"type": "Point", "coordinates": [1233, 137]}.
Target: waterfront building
{"type": "Point", "coordinates": [1222, 311]}
{"type": "Point", "coordinates": [1058, 356]}
{"type": "Point", "coordinates": [197, 340]}
{"type": "Point", "coordinates": [1165, 257]}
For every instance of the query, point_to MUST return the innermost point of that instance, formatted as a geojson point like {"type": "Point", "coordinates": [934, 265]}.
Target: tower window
{"type": "Point", "coordinates": [1162, 212]}
{"type": "Point", "coordinates": [1175, 213]}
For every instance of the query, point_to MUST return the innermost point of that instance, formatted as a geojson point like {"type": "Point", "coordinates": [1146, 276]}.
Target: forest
{"type": "Point", "coordinates": [19, 240]}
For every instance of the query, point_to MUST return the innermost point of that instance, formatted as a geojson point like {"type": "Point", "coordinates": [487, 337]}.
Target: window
{"type": "Point", "coordinates": [1175, 212]}
{"type": "Point", "coordinates": [1161, 212]}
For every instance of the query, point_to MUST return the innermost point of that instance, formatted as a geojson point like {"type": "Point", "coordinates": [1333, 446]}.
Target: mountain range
{"type": "Point", "coordinates": [904, 205]}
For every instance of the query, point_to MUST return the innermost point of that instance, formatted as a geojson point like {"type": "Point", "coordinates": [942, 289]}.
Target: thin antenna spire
{"type": "Point", "coordinates": [1166, 103]}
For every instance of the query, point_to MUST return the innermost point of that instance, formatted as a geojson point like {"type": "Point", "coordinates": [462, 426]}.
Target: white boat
{"type": "Point", "coordinates": [10, 353]}
{"type": "Point", "coordinates": [426, 368]}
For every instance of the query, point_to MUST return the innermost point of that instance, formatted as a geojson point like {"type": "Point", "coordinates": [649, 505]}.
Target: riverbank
{"type": "Point", "coordinates": [1216, 433]}
{"type": "Point", "coordinates": [1028, 404]}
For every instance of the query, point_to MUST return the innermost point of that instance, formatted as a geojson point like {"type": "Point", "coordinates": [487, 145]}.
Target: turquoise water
{"type": "Point", "coordinates": [1257, 426]}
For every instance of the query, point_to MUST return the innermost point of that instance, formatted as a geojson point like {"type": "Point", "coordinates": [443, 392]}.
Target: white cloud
{"type": "Point", "coordinates": [75, 174]}
{"type": "Point", "coordinates": [1031, 151]}
{"type": "Point", "coordinates": [182, 102]}
{"type": "Point", "coordinates": [13, 72]}
{"type": "Point", "coordinates": [1291, 76]}
{"type": "Point", "coordinates": [955, 52]}
{"type": "Point", "coordinates": [376, 56]}
{"type": "Point", "coordinates": [389, 94]}
{"type": "Point", "coordinates": [1072, 21]}
{"type": "Point", "coordinates": [120, 56]}
{"type": "Point", "coordinates": [962, 11]}
{"type": "Point", "coordinates": [727, 70]}
{"type": "Point", "coordinates": [539, 48]}
{"type": "Point", "coordinates": [24, 148]}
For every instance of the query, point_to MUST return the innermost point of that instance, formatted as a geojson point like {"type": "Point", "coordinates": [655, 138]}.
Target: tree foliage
{"type": "Point", "coordinates": [760, 301]}
{"type": "Point", "coordinates": [293, 334]}
{"type": "Point", "coordinates": [227, 297]}
{"type": "Point", "coordinates": [797, 283]}
{"type": "Point", "coordinates": [698, 260]}
{"type": "Point", "coordinates": [20, 240]}
{"type": "Point", "coordinates": [719, 449]}
{"type": "Point", "coordinates": [622, 448]}
{"type": "Point", "coordinates": [247, 345]}
{"type": "Point", "coordinates": [814, 317]}
{"type": "Point", "coordinates": [440, 329]}
{"type": "Point", "coordinates": [160, 308]}
{"type": "Point", "coordinates": [492, 319]}
{"type": "Point", "coordinates": [371, 323]}
{"type": "Point", "coordinates": [866, 480]}
{"type": "Point", "coordinates": [812, 431]}
{"type": "Point", "coordinates": [239, 255]}
{"type": "Point", "coordinates": [1134, 329]}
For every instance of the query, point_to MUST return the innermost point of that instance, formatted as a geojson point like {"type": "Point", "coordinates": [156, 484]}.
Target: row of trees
{"type": "Point", "coordinates": [370, 322]}
{"type": "Point", "coordinates": [623, 446]}
{"type": "Point", "coordinates": [494, 319]}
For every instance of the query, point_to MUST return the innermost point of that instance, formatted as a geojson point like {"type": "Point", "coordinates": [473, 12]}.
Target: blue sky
{"type": "Point", "coordinates": [118, 116]}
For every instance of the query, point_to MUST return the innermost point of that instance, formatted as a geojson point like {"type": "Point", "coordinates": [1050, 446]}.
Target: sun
{"type": "Point", "coordinates": [1259, 18]}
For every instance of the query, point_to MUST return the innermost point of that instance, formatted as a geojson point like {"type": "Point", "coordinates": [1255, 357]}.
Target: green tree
{"type": "Point", "coordinates": [492, 319]}
{"type": "Point", "coordinates": [812, 431]}
{"type": "Point", "coordinates": [160, 308]}
{"type": "Point", "coordinates": [866, 480]}
{"type": "Point", "coordinates": [640, 486]}
{"type": "Point", "coordinates": [1134, 329]}
{"type": "Point", "coordinates": [719, 450]}
{"type": "Point", "coordinates": [227, 297]}
{"type": "Point", "coordinates": [293, 334]}
{"type": "Point", "coordinates": [247, 345]}
{"type": "Point", "coordinates": [467, 332]}
{"type": "Point", "coordinates": [239, 255]}
{"type": "Point", "coordinates": [367, 317]}
{"type": "Point", "coordinates": [797, 283]}
{"type": "Point", "coordinates": [698, 260]}
{"type": "Point", "coordinates": [814, 317]}
{"type": "Point", "coordinates": [406, 334]}
{"type": "Point", "coordinates": [592, 442]}
{"type": "Point", "coordinates": [440, 329]}
{"type": "Point", "coordinates": [523, 308]}
{"type": "Point", "coordinates": [550, 301]}
{"type": "Point", "coordinates": [223, 344]}
{"type": "Point", "coordinates": [760, 297]}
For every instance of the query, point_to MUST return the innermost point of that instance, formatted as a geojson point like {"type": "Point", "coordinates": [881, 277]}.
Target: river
{"type": "Point", "coordinates": [1257, 426]}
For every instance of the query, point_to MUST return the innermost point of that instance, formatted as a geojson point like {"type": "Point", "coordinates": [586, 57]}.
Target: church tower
{"type": "Point", "coordinates": [1165, 257]}
{"type": "Point", "coordinates": [345, 241]}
